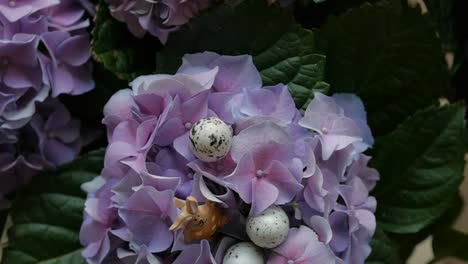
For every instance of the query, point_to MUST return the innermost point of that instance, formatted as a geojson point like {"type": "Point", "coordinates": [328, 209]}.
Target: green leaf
{"type": "Point", "coordinates": [47, 215]}
{"type": "Point", "coordinates": [120, 52]}
{"type": "Point", "coordinates": [384, 249]}
{"type": "Point", "coordinates": [443, 14]}
{"type": "Point", "coordinates": [408, 242]}
{"type": "Point", "coordinates": [282, 50]}
{"type": "Point", "coordinates": [450, 243]}
{"type": "Point", "coordinates": [421, 165]}
{"type": "Point", "coordinates": [388, 55]}
{"type": "Point", "coordinates": [293, 60]}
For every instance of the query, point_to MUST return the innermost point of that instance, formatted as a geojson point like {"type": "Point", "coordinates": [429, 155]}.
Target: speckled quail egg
{"type": "Point", "coordinates": [243, 253]}
{"type": "Point", "coordinates": [268, 229]}
{"type": "Point", "coordinates": [210, 139]}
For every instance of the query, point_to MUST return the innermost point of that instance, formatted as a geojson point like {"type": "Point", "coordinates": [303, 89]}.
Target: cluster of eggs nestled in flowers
{"type": "Point", "coordinates": [210, 140]}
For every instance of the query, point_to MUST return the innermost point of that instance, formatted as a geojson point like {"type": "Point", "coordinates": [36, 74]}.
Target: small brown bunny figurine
{"type": "Point", "coordinates": [198, 221]}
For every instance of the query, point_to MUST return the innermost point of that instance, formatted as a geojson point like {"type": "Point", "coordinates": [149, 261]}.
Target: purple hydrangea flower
{"type": "Point", "coordinates": [69, 67]}
{"type": "Point", "coordinates": [17, 168]}
{"type": "Point", "coordinates": [235, 73]}
{"type": "Point", "coordinates": [51, 139]}
{"type": "Point", "coordinates": [48, 135]}
{"type": "Point", "coordinates": [359, 168]}
{"type": "Point", "coordinates": [353, 223]}
{"type": "Point", "coordinates": [29, 73]}
{"type": "Point", "coordinates": [266, 173]}
{"type": "Point", "coordinates": [280, 103]}
{"type": "Point", "coordinates": [277, 157]}
{"type": "Point", "coordinates": [354, 108]}
{"type": "Point", "coordinates": [17, 105]}
{"type": "Point", "coordinates": [336, 131]}
{"type": "Point", "coordinates": [301, 247]}
{"type": "Point", "coordinates": [69, 15]}
{"type": "Point", "coordinates": [148, 213]}
{"type": "Point", "coordinates": [14, 10]}
{"type": "Point", "coordinates": [159, 18]}
{"type": "Point", "coordinates": [20, 65]}
{"type": "Point", "coordinates": [97, 228]}
{"type": "Point", "coordinates": [58, 133]}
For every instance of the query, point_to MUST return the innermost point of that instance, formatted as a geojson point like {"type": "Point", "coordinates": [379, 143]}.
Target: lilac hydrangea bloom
{"type": "Point", "coordinates": [51, 139]}
{"type": "Point", "coordinates": [354, 108]}
{"type": "Point", "coordinates": [69, 67]}
{"type": "Point", "coordinates": [235, 72]}
{"type": "Point", "coordinates": [69, 15]}
{"type": "Point", "coordinates": [358, 213]}
{"type": "Point", "coordinates": [277, 157]}
{"type": "Point", "coordinates": [44, 51]}
{"type": "Point", "coordinates": [20, 65]}
{"type": "Point", "coordinates": [336, 131]}
{"type": "Point", "coordinates": [99, 218]}
{"type": "Point", "coordinates": [14, 10]}
{"type": "Point", "coordinates": [101, 229]}
{"type": "Point", "coordinates": [159, 18]}
{"type": "Point", "coordinates": [266, 172]}
{"type": "Point", "coordinates": [301, 247]}
{"type": "Point", "coordinates": [17, 106]}
{"type": "Point", "coordinates": [148, 214]}
{"type": "Point", "coordinates": [29, 74]}
{"type": "Point", "coordinates": [16, 168]}
{"type": "Point", "coordinates": [58, 133]}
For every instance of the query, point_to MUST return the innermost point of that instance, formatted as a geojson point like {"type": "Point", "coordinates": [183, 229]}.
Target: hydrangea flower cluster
{"type": "Point", "coordinates": [296, 186]}
{"type": "Point", "coordinates": [44, 50]}
{"type": "Point", "coordinates": [157, 17]}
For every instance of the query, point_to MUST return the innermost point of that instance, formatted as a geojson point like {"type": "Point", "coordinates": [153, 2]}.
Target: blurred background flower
{"type": "Point", "coordinates": [50, 139]}
{"type": "Point", "coordinates": [44, 52]}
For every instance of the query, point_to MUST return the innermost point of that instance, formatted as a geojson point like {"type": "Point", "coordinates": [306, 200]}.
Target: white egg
{"type": "Point", "coordinates": [210, 139]}
{"type": "Point", "coordinates": [243, 253]}
{"type": "Point", "coordinates": [270, 228]}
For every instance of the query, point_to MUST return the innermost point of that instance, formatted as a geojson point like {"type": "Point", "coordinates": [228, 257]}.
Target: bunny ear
{"type": "Point", "coordinates": [180, 222]}
{"type": "Point", "coordinates": [179, 203]}
{"type": "Point", "coordinates": [192, 205]}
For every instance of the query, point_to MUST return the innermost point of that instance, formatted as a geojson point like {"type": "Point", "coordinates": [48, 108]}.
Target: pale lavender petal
{"type": "Point", "coordinates": [288, 186]}
{"type": "Point", "coordinates": [241, 179]}
{"type": "Point", "coordinates": [235, 72]}
{"type": "Point", "coordinates": [146, 214]}
{"type": "Point", "coordinates": [323, 104]}
{"type": "Point", "coordinates": [255, 136]}
{"type": "Point", "coordinates": [75, 50]}
{"type": "Point", "coordinates": [58, 153]}
{"type": "Point", "coordinates": [322, 228]}
{"type": "Point", "coordinates": [160, 183]}
{"type": "Point", "coordinates": [120, 105]}
{"type": "Point", "coordinates": [264, 194]}
{"type": "Point", "coordinates": [196, 254]}
{"type": "Point", "coordinates": [201, 191]}
{"type": "Point", "coordinates": [296, 244]}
